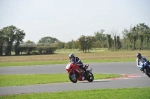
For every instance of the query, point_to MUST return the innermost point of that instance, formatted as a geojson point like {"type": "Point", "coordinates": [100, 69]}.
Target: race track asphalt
{"type": "Point", "coordinates": [135, 78]}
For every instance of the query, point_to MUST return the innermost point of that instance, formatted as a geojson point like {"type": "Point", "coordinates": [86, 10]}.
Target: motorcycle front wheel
{"type": "Point", "coordinates": [147, 71]}
{"type": "Point", "coordinates": [73, 77]}
{"type": "Point", "coordinates": [90, 77]}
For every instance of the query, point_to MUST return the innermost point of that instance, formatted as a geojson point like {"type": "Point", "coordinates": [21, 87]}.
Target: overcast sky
{"type": "Point", "coordinates": [67, 20]}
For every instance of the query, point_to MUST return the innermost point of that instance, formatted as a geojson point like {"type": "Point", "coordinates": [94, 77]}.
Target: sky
{"type": "Point", "coordinates": [67, 20]}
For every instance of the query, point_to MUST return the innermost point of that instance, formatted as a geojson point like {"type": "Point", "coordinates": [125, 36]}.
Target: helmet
{"type": "Point", "coordinates": [139, 55]}
{"type": "Point", "coordinates": [71, 56]}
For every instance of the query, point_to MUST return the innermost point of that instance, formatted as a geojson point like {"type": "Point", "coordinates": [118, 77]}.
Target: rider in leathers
{"type": "Point", "coordinates": [77, 61]}
{"type": "Point", "coordinates": [141, 61]}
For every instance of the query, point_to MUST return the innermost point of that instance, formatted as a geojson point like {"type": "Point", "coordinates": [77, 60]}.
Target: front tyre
{"type": "Point", "coordinates": [73, 77]}
{"type": "Point", "coordinates": [90, 77]}
{"type": "Point", "coordinates": [147, 71]}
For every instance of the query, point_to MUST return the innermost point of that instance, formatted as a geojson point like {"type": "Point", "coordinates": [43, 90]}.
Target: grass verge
{"type": "Point", "coordinates": [122, 93]}
{"type": "Point", "coordinates": [62, 58]}
{"type": "Point", "coordinates": [34, 63]}
{"type": "Point", "coordinates": [30, 79]}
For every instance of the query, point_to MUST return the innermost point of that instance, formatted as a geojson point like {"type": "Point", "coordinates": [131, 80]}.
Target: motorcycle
{"type": "Point", "coordinates": [76, 73]}
{"type": "Point", "coordinates": [145, 67]}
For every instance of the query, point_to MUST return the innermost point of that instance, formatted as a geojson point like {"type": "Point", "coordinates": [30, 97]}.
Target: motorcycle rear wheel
{"type": "Point", "coordinates": [73, 77]}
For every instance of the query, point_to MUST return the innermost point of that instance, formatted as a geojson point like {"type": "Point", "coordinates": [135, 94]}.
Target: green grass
{"type": "Point", "coordinates": [122, 93]}
{"type": "Point", "coordinates": [30, 79]}
{"type": "Point", "coordinates": [34, 63]}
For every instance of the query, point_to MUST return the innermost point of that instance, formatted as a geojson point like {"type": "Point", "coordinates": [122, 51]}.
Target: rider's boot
{"type": "Point", "coordinates": [84, 69]}
{"type": "Point", "coordinates": [142, 69]}
{"type": "Point", "coordinates": [83, 74]}
{"type": "Point", "coordinates": [82, 77]}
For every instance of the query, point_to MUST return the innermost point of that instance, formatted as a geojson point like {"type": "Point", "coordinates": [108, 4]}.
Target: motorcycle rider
{"type": "Point", "coordinates": [77, 61]}
{"type": "Point", "coordinates": [141, 60]}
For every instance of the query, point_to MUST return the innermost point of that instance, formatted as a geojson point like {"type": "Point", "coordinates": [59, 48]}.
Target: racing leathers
{"type": "Point", "coordinates": [143, 61]}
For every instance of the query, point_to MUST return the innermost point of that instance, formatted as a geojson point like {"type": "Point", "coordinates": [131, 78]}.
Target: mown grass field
{"type": "Point", "coordinates": [61, 57]}
{"type": "Point", "coordinates": [123, 93]}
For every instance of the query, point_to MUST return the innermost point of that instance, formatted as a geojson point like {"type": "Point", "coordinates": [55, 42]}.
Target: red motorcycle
{"type": "Point", "coordinates": [75, 73]}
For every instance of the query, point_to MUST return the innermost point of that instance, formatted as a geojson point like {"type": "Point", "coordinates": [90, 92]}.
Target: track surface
{"type": "Point", "coordinates": [135, 79]}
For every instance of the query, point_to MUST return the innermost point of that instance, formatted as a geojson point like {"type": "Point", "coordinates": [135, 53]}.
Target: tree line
{"type": "Point", "coordinates": [135, 38]}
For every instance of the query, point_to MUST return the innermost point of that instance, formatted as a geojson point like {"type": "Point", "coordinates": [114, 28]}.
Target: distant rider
{"type": "Point", "coordinates": [77, 61]}
{"type": "Point", "coordinates": [141, 61]}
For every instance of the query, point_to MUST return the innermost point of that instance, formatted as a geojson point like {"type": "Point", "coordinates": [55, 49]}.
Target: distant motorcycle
{"type": "Point", "coordinates": [75, 73]}
{"type": "Point", "coordinates": [146, 68]}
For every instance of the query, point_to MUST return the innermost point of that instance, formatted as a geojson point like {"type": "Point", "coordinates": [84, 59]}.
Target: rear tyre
{"type": "Point", "coordinates": [73, 77]}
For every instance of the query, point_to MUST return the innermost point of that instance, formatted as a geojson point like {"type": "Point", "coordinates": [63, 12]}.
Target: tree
{"type": "Point", "coordinates": [81, 42]}
{"type": "Point", "coordinates": [75, 44]}
{"type": "Point", "coordinates": [19, 36]}
{"type": "Point", "coordinates": [60, 45]}
{"type": "Point", "coordinates": [2, 41]}
{"type": "Point", "coordinates": [69, 45]}
{"type": "Point", "coordinates": [125, 42]}
{"type": "Point", "coordinates": [90, 40]}
{"type": "Point", "coordinates": [47, 45]}
{"type": "Point", "coordinates": [138, 37]}
{"type": "Point", "coordinates": [85, 42]}
{"type": "Point", "coordinates": [100, 39]}
{"type": "Point", "coordinates": [109, 39]}
{"type": "Point", "coordinates": [114, 41]}
{"type": "Point", "coordinates": [9, 35]}
{"type": "Point", "coordinates": [30, 46]}
{"type": "Point", "coordinates": [47, 40]}
{"type": "Point", "coordinates": [118, 42]}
